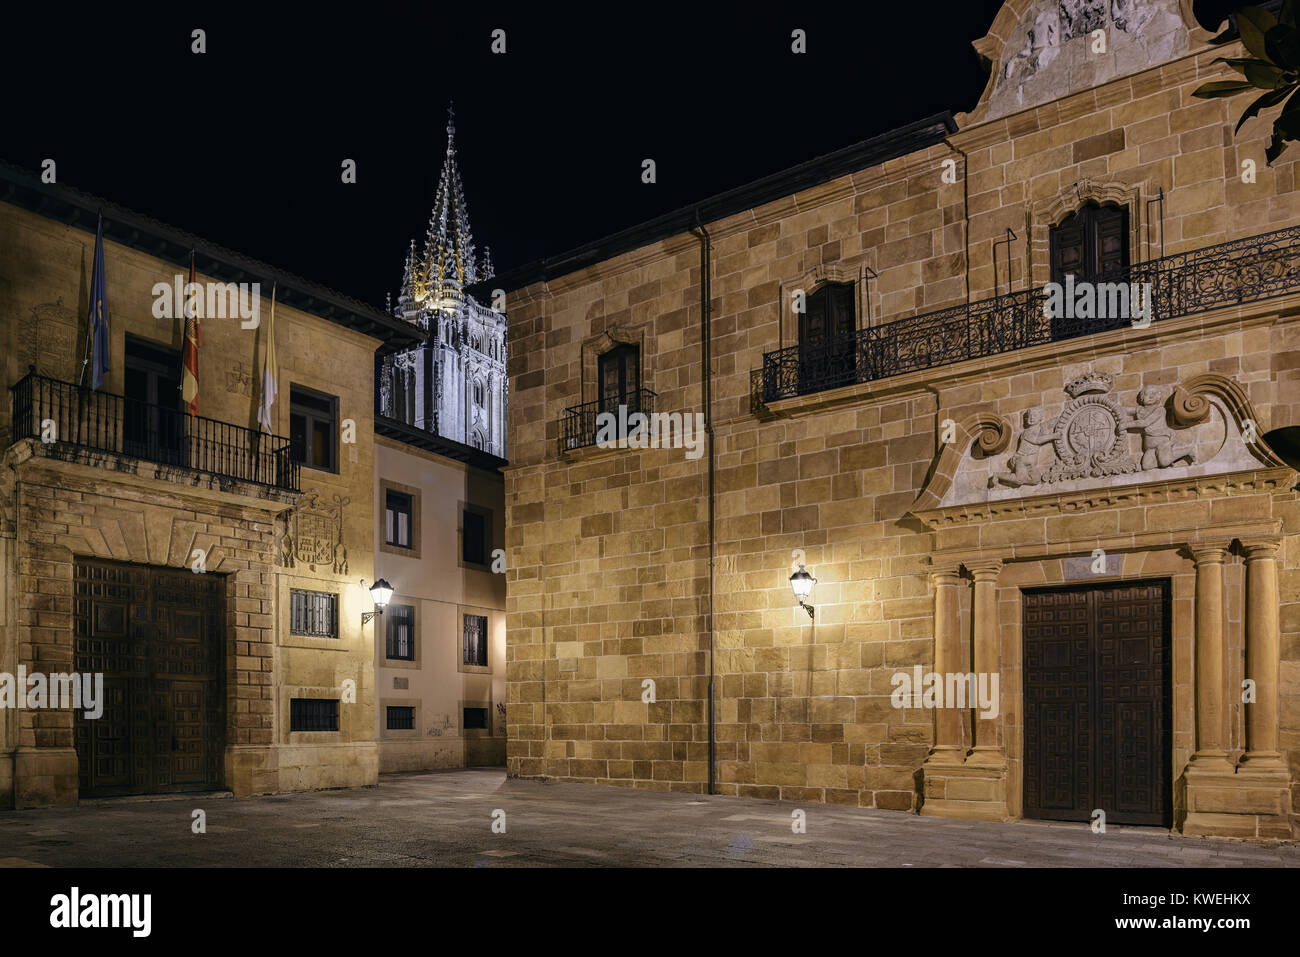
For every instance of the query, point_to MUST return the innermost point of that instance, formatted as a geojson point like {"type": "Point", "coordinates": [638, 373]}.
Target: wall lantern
{"type": "Point", "coordinates": [801, 583]}
{"type": "Point", "coordinates": [381, 592]}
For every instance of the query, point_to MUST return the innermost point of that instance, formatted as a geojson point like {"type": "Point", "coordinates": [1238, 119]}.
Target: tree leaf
{"type": "Point", "coordinates": [1210, 91]}
{"type": "Point", "coordinates": [1283, 44]}
{"type": "Point", "coordinates": [1271, 98]}
{"type": "Point", "coordinates": [1237, 62]}
{"type": "Point", "coordinates": [1286, 16]}
{"type": "Point", "coordinates": [1275, 146]}
{"type": "Point", "coordinates": [1252, 24]}
{"type": "Point", "coordinates": [1264, 75]}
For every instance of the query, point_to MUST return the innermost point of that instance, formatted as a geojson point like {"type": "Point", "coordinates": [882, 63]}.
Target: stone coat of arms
{"type": "Point", "coordinates": [1089, 439]}
{"type": "Point", "coordinates": [314, 534]}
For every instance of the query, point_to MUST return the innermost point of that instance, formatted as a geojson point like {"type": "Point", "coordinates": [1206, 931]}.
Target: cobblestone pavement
{"type": "Point", "coordinates": [445, 819]}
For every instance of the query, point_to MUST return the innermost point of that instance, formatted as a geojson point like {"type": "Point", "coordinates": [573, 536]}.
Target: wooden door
{"type": "Point", "coordinates": [156, 635]}
{"type": "Point", "coordinates": [1097, 703]}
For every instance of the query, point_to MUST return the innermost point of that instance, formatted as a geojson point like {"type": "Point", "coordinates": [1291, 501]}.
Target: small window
{"type": "Point", "coordinates": [313, 613]}
{"type": "Point", "coordinates": [313, 714]}
{"type": "Point", "coordinates": [401, 718]}
{"type": "Point", "coordinates": [475, 718]}
{"type": "Point", "coordinates": [313, 429]}
{"type": "Point", "coordinates": [475, 648]}
{"type": "Point", "coordinates": [400, 621]}
{"type": "Point", "coordinates": [397, 519]}
{"type": "Point", "coordinates": [478, 394]}
{"type": "Point", "coordinates": [474, 537]}
{"type": "Point", "coordinates": [619, 378]}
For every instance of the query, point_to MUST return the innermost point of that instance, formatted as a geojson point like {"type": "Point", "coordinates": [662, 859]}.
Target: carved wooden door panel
{"type": "Point", "coordinates": [1097, 703]}
{"type": "Point", "coordinates": [156, 635]}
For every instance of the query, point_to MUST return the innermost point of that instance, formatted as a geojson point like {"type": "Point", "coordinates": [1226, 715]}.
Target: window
{"type": "Point", "coordinates": [400, 624]}
{"type": "Point", "coordinates": [474, 537]}
{"type": "Point", "coordinates": [478, 394]}
{"type": "Point", "coordinates": [313, 714]}
{"type": "Point", "coordinates": [476, 439]}
{"type": "Point", "coordinates": [475, 648]}
{"type": "Point", "coordinates": [474, 718]}
{"type": "Point", "coordinates": [401, 718]}
{"type": "Point", "coordinates": [827, 343]}
{"type": "Point", "coordinates": [153, 415]}
{"type": "Point", "coordinates": [313, 428]}
{"type": "Point", "coordinates": [313, 613]}
{"type": "Point", "coordinates": [1091, 245]}
{"type": "Point", "coordinates": [618, 379]}
{"type": "Point", "coordinates": [397, 519]}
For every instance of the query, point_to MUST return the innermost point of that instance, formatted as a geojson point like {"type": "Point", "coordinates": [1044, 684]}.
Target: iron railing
{"type": "Point", "coordinates": [1244, 270]}
{"type": "Point", "coordinates": [582, 424]}
{"type": "Point", "coordinates": [69, 415]}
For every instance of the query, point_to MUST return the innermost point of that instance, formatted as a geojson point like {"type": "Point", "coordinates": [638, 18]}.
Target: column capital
{"type": "Point", "coordinates": [1257, 549]}
{"type": "Point", "coordinates": [1209, 553]}
{"type": "Point", "coordinates": [984, 569]}
{"type": "Point", "coordinates": [945, 573]}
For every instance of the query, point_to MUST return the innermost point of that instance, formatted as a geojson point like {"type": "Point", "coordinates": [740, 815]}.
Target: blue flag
{"type": "Point", "coordinates": [99, 311]}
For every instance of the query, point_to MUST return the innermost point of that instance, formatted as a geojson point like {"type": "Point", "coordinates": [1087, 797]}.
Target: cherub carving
{"type": "Point", "coordinates": [1022, 467]}
{"type": "Point", "coordinates": [1161, 447]}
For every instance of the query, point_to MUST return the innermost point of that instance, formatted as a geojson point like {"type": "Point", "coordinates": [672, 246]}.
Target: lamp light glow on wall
{"type": "Point", "coordinates": [381, 592]}
{"type": "Point", "coordinates": [801, 583]}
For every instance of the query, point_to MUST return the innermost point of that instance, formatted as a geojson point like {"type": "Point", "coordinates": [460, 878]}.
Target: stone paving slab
{"type": "Point", "coordinates": [444, 819]}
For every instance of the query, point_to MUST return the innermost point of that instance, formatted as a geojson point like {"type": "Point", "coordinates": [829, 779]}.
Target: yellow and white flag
{"type": "Point", "coordinates": [269, 373]}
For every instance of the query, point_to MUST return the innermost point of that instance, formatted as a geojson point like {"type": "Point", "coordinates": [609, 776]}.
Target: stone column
{"type": "Point", "coordinates": [1211, 729]}
{"type": "Point", "coordinates": [987, 660]}
{"type": "Point", "coordinates": [1263, 650]}
{"type": "Point", "coordinates": [948, 747]}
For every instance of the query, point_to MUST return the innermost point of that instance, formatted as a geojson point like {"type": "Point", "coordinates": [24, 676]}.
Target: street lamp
{"type": "Point", "coordinates": [801, 583]}
{"type": "Point", "coordinates": [381, 592]}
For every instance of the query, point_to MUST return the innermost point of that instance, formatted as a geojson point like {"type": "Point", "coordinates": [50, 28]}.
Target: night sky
{"type": "Point", "coordinates": [243, 145]}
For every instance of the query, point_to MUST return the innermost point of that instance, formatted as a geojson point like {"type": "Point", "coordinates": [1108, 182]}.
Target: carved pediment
{"type": "Point", "coordinates": [1101, 441]}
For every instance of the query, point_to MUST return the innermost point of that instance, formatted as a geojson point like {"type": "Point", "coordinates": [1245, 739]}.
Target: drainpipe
{"type": "Point", "coordinates": [965, 212]}
{"type": "Point", "coordinates": [706, 383]}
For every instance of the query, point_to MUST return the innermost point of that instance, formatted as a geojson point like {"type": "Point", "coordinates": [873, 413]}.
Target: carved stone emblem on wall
{"type": "Point", "coordinates": [314, 534]}
{"type": "Point", "coordinates": [49, 339]}
{"type": "Point", "coordinates": [239, 380]}
{"type": "Point", "coordinates": [1089, 439]}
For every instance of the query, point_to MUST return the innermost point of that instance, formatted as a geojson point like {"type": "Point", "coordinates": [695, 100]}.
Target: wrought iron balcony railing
{"type": "Point", "coordinates": [65, 414]}
{"type": "Point", "coordinates": [609, 418]}
{"type": "Point", "coordinates": [1244, 270]}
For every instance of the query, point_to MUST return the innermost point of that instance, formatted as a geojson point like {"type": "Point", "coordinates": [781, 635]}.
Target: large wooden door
{"type": "Point", "coordinates": [1097, 703]}
{"type": "Point", "coordinates": [157, 636]}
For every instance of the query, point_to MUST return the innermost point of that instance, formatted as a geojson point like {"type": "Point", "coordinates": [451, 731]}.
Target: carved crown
{"type": "Point", "coordinates": [1090, 382]}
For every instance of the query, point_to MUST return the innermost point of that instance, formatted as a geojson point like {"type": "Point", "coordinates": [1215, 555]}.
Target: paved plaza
{"type": "Point", "coordinates": [446, 819]}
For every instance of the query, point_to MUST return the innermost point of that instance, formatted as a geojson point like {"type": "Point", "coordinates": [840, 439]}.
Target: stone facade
{"type": "Point", "coordinates": [62, 503]}
{"type": "Point", "coordinates": [884, 485]}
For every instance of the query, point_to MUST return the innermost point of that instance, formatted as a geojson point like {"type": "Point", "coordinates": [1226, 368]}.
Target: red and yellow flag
{"type": "Point", "coordinates": [193, 339]}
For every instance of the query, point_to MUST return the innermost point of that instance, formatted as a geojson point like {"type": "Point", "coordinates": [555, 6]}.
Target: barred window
{"type": "Point", "coordinates": [476, 640]}
{"type": "Point", "coordinates": [313, 613]}
{"type": "Point", "coordinates": [401, 632]}
{"type": "Point", "coordinates": [401, 718]}
{"type": "Point", "coordinates": [313, 714]}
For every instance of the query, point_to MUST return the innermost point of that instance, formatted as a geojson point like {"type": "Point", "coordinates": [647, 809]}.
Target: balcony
{"type": "Point", "coordinates": [1244, 270]}
{"type": "Point", "coordinates": [581, 425]}
{"type": "Point", "coordinates": [75, 417]}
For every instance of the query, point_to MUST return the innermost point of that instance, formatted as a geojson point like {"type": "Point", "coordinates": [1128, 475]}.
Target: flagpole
{"type": "Point", "coordinates": [90, 318]}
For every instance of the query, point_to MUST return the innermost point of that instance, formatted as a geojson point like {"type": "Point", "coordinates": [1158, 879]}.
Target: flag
{"type": "Point", "coordinates": [98, 319]}
{"type": "Point", "coordinates": [269, 372]}
{"type": "Point", "coordinates": [190, 352]}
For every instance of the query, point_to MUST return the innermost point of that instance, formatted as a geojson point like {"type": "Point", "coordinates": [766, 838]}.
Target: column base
{"type": "Point", "coordinates": [1252, 802]}
{"type": "Point", "coordinates": [973, 792]}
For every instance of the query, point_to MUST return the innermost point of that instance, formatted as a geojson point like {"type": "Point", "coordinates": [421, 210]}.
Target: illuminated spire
{"type": "Point", "coordinates": [448, 263]}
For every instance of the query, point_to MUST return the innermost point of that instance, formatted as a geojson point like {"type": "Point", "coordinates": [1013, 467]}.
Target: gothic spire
{"type": "Point", "coordinates": [409, 295]}
{"type": "Point", "coordinates": [448, 261]}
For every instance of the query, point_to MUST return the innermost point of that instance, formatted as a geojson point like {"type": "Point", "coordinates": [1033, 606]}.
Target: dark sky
{"type": "Point", "coordinates": [243, 145]}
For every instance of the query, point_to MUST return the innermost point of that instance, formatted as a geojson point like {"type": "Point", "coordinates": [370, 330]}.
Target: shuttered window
{"type": "Point", "coordinates": [1091, 244]}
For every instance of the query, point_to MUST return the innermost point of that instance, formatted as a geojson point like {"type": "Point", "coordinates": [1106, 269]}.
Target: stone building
{"type": "Point", "coordinates": [453, 384]}
{"type": "Point", "coordinates": [440, 648]}
{"type": "Point", "coordinates": [210, 572]}
{"type": "Point", "coordinates": [1078, 502]}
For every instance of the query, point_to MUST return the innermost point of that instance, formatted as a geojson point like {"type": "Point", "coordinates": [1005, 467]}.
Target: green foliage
{"type": "Point", "coordinates": [1273, 66]}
